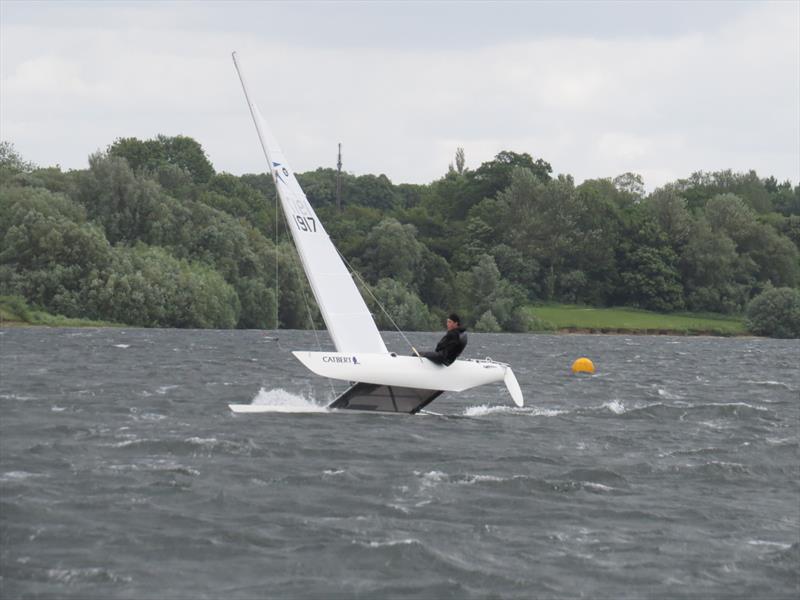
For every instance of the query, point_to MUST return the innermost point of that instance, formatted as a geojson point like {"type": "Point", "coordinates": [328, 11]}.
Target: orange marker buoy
{"type": "Point", "coordinates": [583, 365]}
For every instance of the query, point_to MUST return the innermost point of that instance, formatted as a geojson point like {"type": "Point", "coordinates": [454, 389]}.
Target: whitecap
{"type": "Point", "coordinates": [403, 542]}
{"type": "Point", "coordinates": [770, 383]}
{"type": "Point", "coordinates": [122, 346]}
{"type": "Point", "coordinates": [781, 545]}
{"type": "Point", "coordinates": [484, 410]}
{"type": "Point", "coordinates": [668, 395]}
{"type": "Point", "coordinates": [615, 406]}
{"type": "Point", "coordinates": [781, 441]}
{"type": "Point", "coordinates": [597, 486]}
{"type": "Point", "coordinates": [20, 397]}
{"type": "Point", "coordinates": [279, 400]}
{"type": "Point", "coordinates": [203, 441]}
{"type": "Point", "coordinates": [331, 472]}
{"type": "Point", "coordinates": [17, 476]}
{"type": "Point", "coordinates": [473, 479]}
{"type": "Point", "coordinates": [94, 574]}
{"type": "Point", "coordinates": [431, 479]}
{"type": "Point", "coordinates": [737, 404]}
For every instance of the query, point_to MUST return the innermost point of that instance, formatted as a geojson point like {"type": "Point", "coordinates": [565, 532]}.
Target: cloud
{"type": "Point", "coordinates": [663, 101]}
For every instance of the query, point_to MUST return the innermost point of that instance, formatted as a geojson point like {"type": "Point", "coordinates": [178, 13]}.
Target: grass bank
{"type": "Point", "coordinates": [583, 319]}
{"type": "Point", "coordinates": [14, 312]}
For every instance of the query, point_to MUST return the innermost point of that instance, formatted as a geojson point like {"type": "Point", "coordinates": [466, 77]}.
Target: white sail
{"type": "Point", "coordinates": [346, 315]}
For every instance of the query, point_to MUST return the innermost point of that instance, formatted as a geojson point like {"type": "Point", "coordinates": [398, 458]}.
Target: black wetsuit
{"type": "Point", "coordinates": [449, 347]}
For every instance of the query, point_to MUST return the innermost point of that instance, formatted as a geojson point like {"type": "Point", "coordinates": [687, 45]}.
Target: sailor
{"type": "Point", "coordinates": [451, 345]}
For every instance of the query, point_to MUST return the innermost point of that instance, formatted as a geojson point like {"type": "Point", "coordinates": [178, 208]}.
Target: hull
{"type": "Point", "coordinates": [410, 371]}
{"type": "Point", "coordinates": [402, 371]}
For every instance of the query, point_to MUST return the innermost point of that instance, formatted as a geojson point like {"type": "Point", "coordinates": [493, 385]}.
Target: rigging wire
{"type": "Point", "coordinates": [378, 302]}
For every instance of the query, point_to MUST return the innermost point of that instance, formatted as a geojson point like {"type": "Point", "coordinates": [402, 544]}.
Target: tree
{"type": "Point", "coordinates": [460, 161]}
{"type": "Point", "coordinates": [542, 223]}
{"type": "Point", "coordinates": [713, 274]}
{"type": "Point", "coordinates": [485, 290]}
{"type": "Point", "coordinates": [150, 155]}
{"type": "Point", "coordinates": [488, 323]}
{"type": "Point", "coordinates": [701, 186]}
{"type": "Point", "coordinates": [128, 207]}
{"type": "Point", "coordinates": [495, 175]}
{"type": "Point", "coordinates": [649, 277]}
{"type": "Point", "coordinates": [775, 313]}
{"type": "Point", "coordinates": [403, 305]}
{"type": "Point", "coordinates": [631, 184]}
{"type": "Point", "coordinates": [669, 209]}
{"type": "Point", "coordinates": [12, 161]}
{"type": "Point", "coordinates": [392, 250]}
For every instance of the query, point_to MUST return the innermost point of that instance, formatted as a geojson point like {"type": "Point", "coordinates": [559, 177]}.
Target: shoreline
{"type": "Point", "coordinates": [5, 324]}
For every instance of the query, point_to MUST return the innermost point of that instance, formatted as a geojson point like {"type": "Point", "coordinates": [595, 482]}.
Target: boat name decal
{"type": "Point", "coordinates": [350, 360]}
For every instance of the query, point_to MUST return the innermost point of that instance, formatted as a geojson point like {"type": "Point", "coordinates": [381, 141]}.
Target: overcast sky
{"type": "Point", "coordinates": [595, 88]}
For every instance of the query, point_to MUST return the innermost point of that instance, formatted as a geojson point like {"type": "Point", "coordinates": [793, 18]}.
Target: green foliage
{"type": "Point", "coordinates": [775, 313]}
{"type": "Point", "coordinates": [150, 234]}
{"type": "Point", "coordinates": [649, 276]}
{"type": "Point", "coordinates": [14, 308]}
{"type": "Point", "coordinates": [488, 323]}
{"type": "Point", "coordinates": [11, 163]}
{"type": "Point", "coordinates": [392, 250]}
{"type": "Point", "coordinates": [404, 306]}
{"type": "Point", "coordinates": [150, 155]}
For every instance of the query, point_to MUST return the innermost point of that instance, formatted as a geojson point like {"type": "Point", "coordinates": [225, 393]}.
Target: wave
{"type": "Point", "coordinates": [771, 383]}
{"type": "Point", "coordinates": [190, 446]}
{"type": "Point", "coordinates": [591, 480]}
{"type": "Point", "coordinates": [485, 410]}
{"type": "Point", "coordinates": [389, 543]}
{"type": "Point", "coordinates": [17, 476]}
{"type": "Point", "coordinates": [279, 400]}
{"type": "Point", "coordinates": [89, 575]}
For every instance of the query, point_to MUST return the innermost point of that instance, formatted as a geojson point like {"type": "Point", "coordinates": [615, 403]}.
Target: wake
{"type": "Point", "coordinates": [279, 401]}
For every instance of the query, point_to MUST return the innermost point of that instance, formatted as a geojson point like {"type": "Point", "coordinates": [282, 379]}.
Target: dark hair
{"type": "Point", "coordinates": [454, 317]}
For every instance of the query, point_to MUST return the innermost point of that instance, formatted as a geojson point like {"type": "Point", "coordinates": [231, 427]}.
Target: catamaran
{"type": "Point", "coordinates": [380, 381]}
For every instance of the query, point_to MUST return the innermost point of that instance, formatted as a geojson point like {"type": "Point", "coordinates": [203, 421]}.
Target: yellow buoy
{"type": "Point", "coordinates": [583, 365]}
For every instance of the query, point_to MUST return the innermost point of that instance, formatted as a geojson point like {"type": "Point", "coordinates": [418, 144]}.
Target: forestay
{"type": "Point", "coordinates": [346, 315]}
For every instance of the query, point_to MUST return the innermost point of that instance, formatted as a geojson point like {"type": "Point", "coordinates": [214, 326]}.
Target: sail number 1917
{"type": "Point", "coordinates": [306, 223]}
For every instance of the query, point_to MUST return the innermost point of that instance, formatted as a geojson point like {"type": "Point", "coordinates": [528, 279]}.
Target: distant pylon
{"type": "Point", "coordinates": [339, 180]}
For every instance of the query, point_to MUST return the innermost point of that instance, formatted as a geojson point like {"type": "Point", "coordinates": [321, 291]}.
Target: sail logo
{"type": "Point", "coordinates": [350, 360]}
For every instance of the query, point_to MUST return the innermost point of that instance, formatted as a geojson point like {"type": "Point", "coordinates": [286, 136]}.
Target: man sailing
{"type": "Point", "coordinates": [450, 346]}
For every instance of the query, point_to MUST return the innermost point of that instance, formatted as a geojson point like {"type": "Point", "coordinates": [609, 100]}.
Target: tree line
{"type": "Point", "coordinates": [151, 235]}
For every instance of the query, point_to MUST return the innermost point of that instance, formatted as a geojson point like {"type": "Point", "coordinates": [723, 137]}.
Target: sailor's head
{"type": "Point", "coordinates": [453, 321]}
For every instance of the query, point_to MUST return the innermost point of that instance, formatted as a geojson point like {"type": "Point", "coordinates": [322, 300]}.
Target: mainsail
{"type": "Point", "coordinates": [344, 311]}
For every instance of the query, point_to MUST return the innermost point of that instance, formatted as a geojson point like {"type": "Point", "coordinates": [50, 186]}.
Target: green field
{"type": "Point", "coordinates": [627, 320]}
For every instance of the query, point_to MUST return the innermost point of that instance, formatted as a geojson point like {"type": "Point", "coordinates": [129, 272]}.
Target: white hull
{"type": "Point", "coordinates": [410, 371]}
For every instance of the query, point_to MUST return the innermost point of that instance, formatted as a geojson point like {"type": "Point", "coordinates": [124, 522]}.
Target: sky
{"type": "Point", "coordinates": [662, 89]}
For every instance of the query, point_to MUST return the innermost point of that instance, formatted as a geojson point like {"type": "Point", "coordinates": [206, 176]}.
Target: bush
{"type": "Point", "coordinates": [15, 308]}
{"type": "Point", "coordinates": [775, 313]}
{"type": "Point", "coordinates": [488, 323]}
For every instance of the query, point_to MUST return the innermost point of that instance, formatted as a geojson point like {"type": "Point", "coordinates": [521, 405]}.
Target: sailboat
{"type": "Point", "coordinates": [380, 381]}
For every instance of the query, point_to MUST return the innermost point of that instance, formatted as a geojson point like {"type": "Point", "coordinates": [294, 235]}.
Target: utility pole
{"type": "Point", "coordinates": [339, 180]}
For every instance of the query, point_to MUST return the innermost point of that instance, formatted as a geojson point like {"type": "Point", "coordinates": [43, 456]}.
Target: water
{"type": "Point", "coordinates": [671, 473]}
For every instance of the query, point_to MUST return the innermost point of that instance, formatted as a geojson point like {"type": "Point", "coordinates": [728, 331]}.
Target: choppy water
{"type": "Point", "coordinates": [671, 473]}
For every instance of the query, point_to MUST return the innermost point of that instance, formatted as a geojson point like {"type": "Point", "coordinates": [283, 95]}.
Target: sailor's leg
{"type": "Point", "coordinates": [433, 357]}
